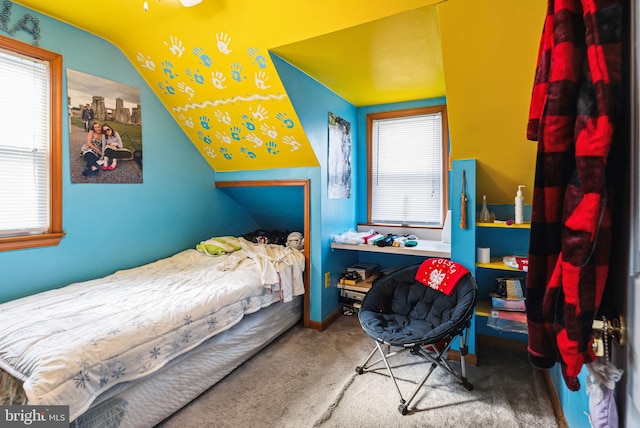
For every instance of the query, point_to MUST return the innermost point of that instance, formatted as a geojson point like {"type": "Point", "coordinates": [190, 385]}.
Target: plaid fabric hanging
{"type": "Point", "coordinates": [573, 113]}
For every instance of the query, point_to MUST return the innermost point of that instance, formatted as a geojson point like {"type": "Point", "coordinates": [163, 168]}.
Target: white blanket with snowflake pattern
{"type": "Point", "coordinates": [71, 344]}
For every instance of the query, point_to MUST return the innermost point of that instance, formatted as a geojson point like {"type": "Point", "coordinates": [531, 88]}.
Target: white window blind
{"type": "Point", "coordinates": [406, 171]}
{"type": "Point", "coordinates": [24, 145]}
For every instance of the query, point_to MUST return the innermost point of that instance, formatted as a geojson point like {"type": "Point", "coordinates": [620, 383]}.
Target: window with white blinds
{"type": "Point", "coordinates": [407, 180]}
{"type": "Point", "coordinates": [24, 145]}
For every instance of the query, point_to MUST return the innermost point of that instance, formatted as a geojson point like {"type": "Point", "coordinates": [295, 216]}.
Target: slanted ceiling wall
{"type": "Point", "coordinates": [489, 50]}
{"type": "Point", "coordinates": [210, 65]}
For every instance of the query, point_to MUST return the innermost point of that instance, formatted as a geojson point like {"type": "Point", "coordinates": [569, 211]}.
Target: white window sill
{"type": "Point", "coordinates": [425, 248]}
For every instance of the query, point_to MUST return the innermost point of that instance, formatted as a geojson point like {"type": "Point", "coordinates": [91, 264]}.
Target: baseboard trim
{"type": "Point", "coordinates": [490, 342]}
{"type": "Point", "coordinates": [501, 343]}
{"type": "Point", "coordinates": [454, 355]}
{"type": "Point", "coordinates": [320, 326]}
{"type": "Point", "coordinates": [555, 400]}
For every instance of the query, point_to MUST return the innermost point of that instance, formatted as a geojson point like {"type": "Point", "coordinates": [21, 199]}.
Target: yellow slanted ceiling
{"type": "Point", "coordinates": [490, 67]}
{"type": "Point", "coordinates": [209, 65]}
{"type": "Point", "coordinates": [389, 60]}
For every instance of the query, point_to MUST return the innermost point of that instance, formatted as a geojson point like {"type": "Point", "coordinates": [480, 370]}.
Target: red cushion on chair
{"type": "Point", "coordinates": [441, 274]}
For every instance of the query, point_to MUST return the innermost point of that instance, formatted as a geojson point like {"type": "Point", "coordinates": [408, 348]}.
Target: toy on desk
{"type": "Point", "coordinates": [507, 222]}
{"type": "Point", "coordinates": [406, 241]}
{"type": "Point", "coordinates": [392, 240]}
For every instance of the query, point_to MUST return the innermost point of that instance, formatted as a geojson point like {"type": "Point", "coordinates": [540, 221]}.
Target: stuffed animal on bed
{"type": "Point", "coordinates": [295, 240]}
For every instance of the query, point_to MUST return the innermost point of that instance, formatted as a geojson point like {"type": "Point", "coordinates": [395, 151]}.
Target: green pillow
{"type": "Point", "coordinates": [219, 245]}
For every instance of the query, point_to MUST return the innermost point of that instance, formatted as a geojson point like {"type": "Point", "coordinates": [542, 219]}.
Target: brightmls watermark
{"type": "Point", "coordinates": [34, 416]}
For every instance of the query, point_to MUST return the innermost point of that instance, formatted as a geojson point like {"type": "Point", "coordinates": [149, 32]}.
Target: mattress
{"type": "Point", "coordinates": [147, 402]}
{"type": "Point", "coordinates": [71, 345]}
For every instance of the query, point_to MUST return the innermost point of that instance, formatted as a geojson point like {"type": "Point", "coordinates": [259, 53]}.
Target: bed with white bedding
{"type": "Point", "coordinates": [105, 346]}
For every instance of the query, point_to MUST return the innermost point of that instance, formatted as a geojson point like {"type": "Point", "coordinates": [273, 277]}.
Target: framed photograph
{"type": "Point", "coordinates": [105, 130]}
{"type": "Point", "coordinates": [339, 158]}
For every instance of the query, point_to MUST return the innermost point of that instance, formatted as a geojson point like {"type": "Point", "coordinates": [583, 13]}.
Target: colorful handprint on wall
{"type": "Point", "coordinates": [230, 102]}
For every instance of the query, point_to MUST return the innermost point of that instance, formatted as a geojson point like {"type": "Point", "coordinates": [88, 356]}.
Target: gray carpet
{"type": "Point", "coordinates": [307, 378]}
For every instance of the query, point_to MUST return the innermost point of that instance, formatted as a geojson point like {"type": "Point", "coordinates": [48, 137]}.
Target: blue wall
{"type": "Point", "coordinates": [115, 226]}
{"type": "Point", "coordinates": [312, 103]}
{"type": "Point", "coordinates": [575, 404]}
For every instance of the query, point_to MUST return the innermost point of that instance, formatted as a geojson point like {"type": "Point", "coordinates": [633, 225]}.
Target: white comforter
{"type": "Point", "coordinates": [71, 344]}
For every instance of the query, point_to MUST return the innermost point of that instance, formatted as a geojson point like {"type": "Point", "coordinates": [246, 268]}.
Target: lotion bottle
{"type": "Point", "coordinates": [519, 219]}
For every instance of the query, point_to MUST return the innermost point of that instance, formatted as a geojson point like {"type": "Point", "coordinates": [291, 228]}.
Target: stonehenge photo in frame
{"type": "Point", "coordinates": [105, 130]}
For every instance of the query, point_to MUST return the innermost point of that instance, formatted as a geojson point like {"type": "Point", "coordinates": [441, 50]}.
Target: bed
{"type": "Point", "coordinates": [131, 348]}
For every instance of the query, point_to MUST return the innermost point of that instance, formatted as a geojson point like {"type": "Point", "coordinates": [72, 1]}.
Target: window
{"type": "Point", "coordinates": [30, 146]}
{"type": "Point", "coordinates": [407, 167]}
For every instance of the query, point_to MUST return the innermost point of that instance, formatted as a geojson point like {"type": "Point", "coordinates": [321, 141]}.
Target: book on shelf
{"type": "Point", "coordinates": [354, 285]}
{"type": "Point", "coordinates": [516, 316]}
{"type": "Point", "coordinates": [507, 304]}
{"type": "Point", "coordinates": [510, 287]}
{"type": "Point", "coordinates": [345, 281]}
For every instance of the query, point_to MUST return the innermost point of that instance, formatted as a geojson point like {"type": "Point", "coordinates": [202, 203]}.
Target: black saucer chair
{"type": "Point", "coordinates": [401, 312]}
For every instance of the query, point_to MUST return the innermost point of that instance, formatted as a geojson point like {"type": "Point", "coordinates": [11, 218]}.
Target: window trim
{"type": "Point", "coordinates": [371, 117]}
{"type": "Point", "coordinates": [55, 234]}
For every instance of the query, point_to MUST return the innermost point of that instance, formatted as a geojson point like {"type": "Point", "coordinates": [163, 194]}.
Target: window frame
{"type": "Point", "coordinates": [397, 114]}
{"type": "Point", "coordinates": [54, 234]}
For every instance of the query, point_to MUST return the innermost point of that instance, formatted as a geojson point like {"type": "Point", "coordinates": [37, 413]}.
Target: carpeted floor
{"type": "Point", "coordinates": [307, 378]}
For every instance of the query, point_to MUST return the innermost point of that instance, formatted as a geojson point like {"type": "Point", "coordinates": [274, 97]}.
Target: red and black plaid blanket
{"type": "Point", "coordinates": [572, 116]}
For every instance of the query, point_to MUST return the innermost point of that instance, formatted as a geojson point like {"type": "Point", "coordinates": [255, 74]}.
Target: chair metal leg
{"type": "Point", "coordinates": [360, 369]}
{"type": "Point", "coordinates": [386, 363]}
{"type": "Point", "coordinates": [367, 365]}
{"type": "Point", "coordinates": [464, 350]}
{"type": "Point", "coordinates": [435, 357]}
{"type": "Point", "coordinates": [384, 358]}
{"type": "Point", "coordinates": [404, 405]}
{"type": "Point", "coordinates": [440, 361]}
